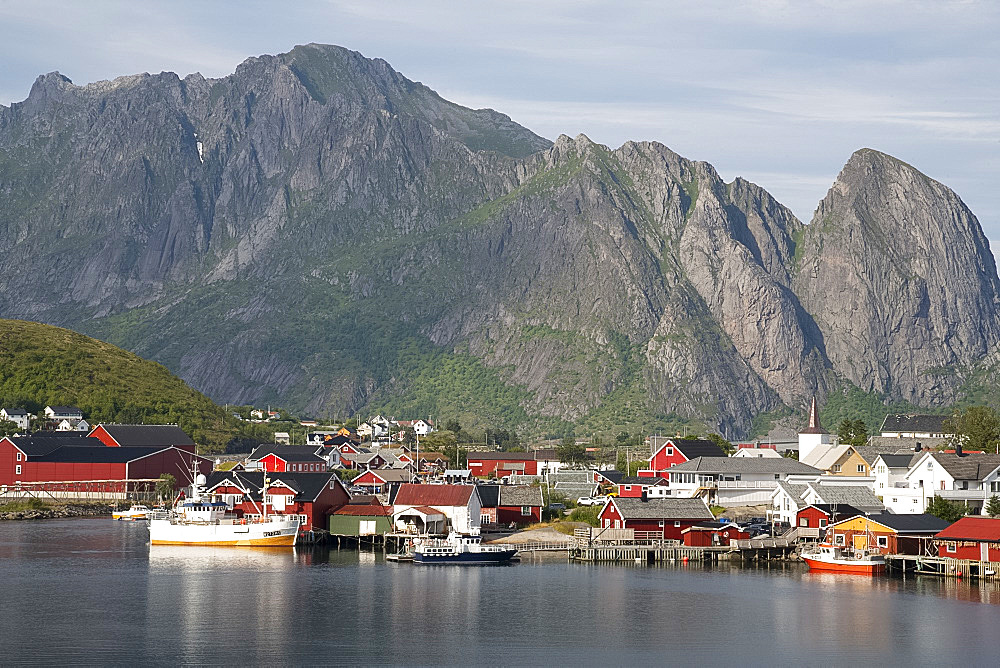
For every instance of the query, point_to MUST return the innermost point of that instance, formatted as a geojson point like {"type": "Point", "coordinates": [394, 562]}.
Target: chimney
{"type": "Point", "coordinates": [918, 448]}
{"type": "Point", "coordinates": [643, 494]}
{"type": "Point", "coordinates": [958, 449]}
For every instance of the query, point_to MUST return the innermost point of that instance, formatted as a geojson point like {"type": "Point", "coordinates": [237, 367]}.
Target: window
{"type": "Point", "coordinates": [836, 468]}
{"type": "Point", "coordinates": [661, 524]}
{"type": "Point", "coordinates": [777, 476]}
{"type": "Point", "coordinates": [628, 488]}
{"type": "Point", "coordinates": [803, 521]}
{"type": "Point", "coordinates": [914, 500]}
{"type": "Point", "coordinates": [822, 523]}
{"type": "Point", "coordinates": [484, 519]}
{"type": "Point", "coordinates": [883, 541]}
{"type": "Point", "coordinates": [670, 452]}
{"type": "Point", "coordinates": [838, 539]}
{"type": "Point", "coordinates": [861, 468]}
{"type": "Point", "coordinates": [526, 511]}
{"type": "Point", "coordinates": [19, 456]}
{"type": "Point", "coordinates": [952, 547]}
{"type": "Point", "coordinates": [677, 525]}
{"type": "Point", "coordinates": [895, 500]}
{"type": "Point", "coordinates": [17, 470]}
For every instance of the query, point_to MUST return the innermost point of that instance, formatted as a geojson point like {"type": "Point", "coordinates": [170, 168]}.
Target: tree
{"type": "Point", "coordinates": [165, 487]}
{"type": "Point", "coordinates": [8, 428]}
{"type": "Point", "coordinates": [975, 428]}
{"type": "Point", "coordinates": [852, 432]}
{"type": "Point", "coordinates": [570, 452]}
{"type": "Point", "coordinates": [723, 444]}
{"type": "Point", "coordinates": [453, 425]}
{"type": "Point", "coordinates": [439, 441]}
{"type": "Point", "coordinates": [993, 506]}
{"type": "Point", "coordinates": [945, 509]}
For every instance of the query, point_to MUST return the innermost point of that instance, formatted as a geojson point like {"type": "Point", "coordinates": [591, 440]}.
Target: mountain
{"type": "Point", "coordinates": [320, 232]}
{"type": "Point", "coordinates": [41, 365]}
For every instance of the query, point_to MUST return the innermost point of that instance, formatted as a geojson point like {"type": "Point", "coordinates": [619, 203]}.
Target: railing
{"type": "Point", "coordinates": [747, 484]}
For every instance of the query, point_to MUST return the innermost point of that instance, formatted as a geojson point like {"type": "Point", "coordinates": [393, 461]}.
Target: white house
{"type": "Point", "coordinates": [759, 453]}
{"type": "Point", "coordinates": [73, 425]}
{"type": "Point", "coordinates": [734, 481]}
{"type": "Point", "coordinates": [890, 471]}
{"type": "Point", "coordinates": [60, 413]}
{"type": "Point", "coordinates": [422, 427]}
{"type": "Point", "coordinates": [18, 416]}
{"type": "Point", "coordinates": [915, 426]}
{"type": "Point", "coordinates": [459, 503]}
{"type": "Point", "coordinates": [969, 479]}
{"type": "Point", "coordinates": [814, 435]}
{"type": "Point", "coordinates": [796, 492]}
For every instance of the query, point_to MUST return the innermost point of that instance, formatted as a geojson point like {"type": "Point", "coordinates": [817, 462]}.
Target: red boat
{"type": "Point", "coordinates": [834, 558]}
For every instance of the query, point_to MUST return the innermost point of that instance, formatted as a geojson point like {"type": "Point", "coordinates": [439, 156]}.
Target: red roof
{"type": "Point", "coordinates": [982, 529]}
{"type": "Point", "coordinates": [427, 510]}
{"type": "Point", "coordinates": [434, 495]}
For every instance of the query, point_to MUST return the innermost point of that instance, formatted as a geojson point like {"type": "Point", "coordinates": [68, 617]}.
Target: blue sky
{"type": "Point", "coordinates": [776, 91]}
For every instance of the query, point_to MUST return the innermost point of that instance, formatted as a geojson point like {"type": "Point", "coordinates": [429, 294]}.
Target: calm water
{"type": "Point", "coordinates": [93, 591]}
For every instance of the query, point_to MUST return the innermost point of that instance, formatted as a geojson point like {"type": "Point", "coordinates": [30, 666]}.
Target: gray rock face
{"type": "Point", "coordinates": [315, 227]}
{"type": "Point", "coordinates": [900, 279]}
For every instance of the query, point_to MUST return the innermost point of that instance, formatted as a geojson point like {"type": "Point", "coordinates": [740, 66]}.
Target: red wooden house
{"type": "Point", "coordinates": [503, 504]}
{"type": "Point", "coordinates": [287, 458]}
{"type": "Point", "coordinates": [311, 496]}
{"type": "Point", "coordinates": [639, 486]}
{"type": "Point", "coordinates": [886, 533]}
{"type": "Point", "coordinates": [378, 481]}
{"type": "Point", "coordinates": [500, 464]}
{"type": "Point", "coordinates": [45, 459]}
{"type": "Point", "coordinates": [666, 518]}
{"type": "Point", "coordinates": [669, 452]}
{"type": "Point", "coordinates": [821, 515]}
{"type": "Point", "coordinates": [706, 534]}
{"type": "Point", "coordinates": [976, 538]}
{"type": "Point", "coordinates": [144, 435]}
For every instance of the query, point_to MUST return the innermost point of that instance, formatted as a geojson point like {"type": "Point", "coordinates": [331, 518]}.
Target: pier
{"type": "Point", "coordinates": [907, 564]}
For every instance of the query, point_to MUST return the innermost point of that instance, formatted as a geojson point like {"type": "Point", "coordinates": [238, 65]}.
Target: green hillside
{"type": "Point", "coordinates": [42, 365]}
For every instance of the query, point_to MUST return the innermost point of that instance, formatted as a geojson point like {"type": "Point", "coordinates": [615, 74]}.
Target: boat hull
{"type": "Point", "coordinates": [268, 534]}
{"type": "Point", "coordinates": [466, 558]}
{"type": "Point", "coordinates": [127, 518]}
{"type": "Point", "coordinates": [845, 566]}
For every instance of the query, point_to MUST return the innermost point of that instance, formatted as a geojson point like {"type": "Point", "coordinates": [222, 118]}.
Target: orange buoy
{"type": "Point", "coordinates": [960, 574]}
{"type": "Point", "coordinates": [685, 560]}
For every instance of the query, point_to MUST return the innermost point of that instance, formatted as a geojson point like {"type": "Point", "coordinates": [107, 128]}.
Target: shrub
{"type": "Point", "coordinates": [585, 514]}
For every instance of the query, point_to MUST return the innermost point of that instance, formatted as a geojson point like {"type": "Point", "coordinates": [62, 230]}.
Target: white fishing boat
{"type": "Point", "coordinates": [201, 519]}
{"type": "Point", "coordinates": [136, 512]}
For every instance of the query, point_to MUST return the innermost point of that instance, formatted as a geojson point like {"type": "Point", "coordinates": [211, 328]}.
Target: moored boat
{"type": "Point", "coordinates": [136, 512]}
{"type": "Point", "coordinates": [459, 549]}
{"type": "Point", "coordinates": [835, 558]}
{"type": "Point", "coordinates": [203, 520]}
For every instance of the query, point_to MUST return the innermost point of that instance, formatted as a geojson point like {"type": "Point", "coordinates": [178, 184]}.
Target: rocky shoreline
{"type": "Point", "coordinates": [58, 512]}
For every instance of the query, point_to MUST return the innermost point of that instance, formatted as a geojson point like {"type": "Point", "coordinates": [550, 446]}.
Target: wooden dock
{"type": "Point", "coordinates": [671, 552]}
{"type": "Point", "coordinates": [912, 564]}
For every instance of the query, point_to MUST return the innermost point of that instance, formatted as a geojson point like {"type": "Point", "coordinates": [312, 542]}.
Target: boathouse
{"type": "Point", "coordinates": [887, 533]}
{"type": "Point", "coordinates": [311, 496]}
{"type": "Point", "coordinates": [660, 518]}
{"type": "Point", "coordinates": [640, 486]}
{"type": "Point", "coordinates": [502, 464]}
{"type": "Point", "coordinates": [821, 515]}
{"type": "Point", "coordinates": [379, 481]}
{"type": "Point", "coordinates": [460, 504]}
{"type": "Point", "coordinates": [287, 458]}
{"type": "Point", "coordinates": [503, 504]}
{"type": "Point", "coordinates": [362, 516]}
{"type": "Point", "coordinates": [975, 538]}
{"type": "Point", "coordinates": [707, 534]}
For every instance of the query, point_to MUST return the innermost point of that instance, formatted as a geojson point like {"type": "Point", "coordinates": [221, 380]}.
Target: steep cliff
{"type": "Point", "coordinates": [318, 231]}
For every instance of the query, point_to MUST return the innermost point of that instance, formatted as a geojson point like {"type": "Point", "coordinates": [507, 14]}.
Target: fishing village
{"type": "Point", "coordinates": [838, 507]}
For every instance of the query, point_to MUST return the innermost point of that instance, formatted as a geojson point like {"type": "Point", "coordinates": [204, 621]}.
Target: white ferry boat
{"type": "Point", "coordinates": [203, 520]}
{"type": "Point", "coordinates": [459, 549]}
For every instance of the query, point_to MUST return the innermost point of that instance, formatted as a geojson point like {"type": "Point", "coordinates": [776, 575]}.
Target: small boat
{"type": "Point", "coordinates": [459, 549]}
{"type": "Point", "coordinates": [204, 520]}
{"type": "Point", "coordinates": [837, 559]}
{"type": "Point", "coordinates": [136, 512]}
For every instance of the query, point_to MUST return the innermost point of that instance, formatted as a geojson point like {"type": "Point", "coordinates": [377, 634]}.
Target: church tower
{"type": "Point", "coordinates": [814, 435]}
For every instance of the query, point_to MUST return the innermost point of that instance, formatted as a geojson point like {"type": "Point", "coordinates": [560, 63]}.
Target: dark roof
{"type": "Point", "coordinates": [389, 475]}
{"type": "Point", "coordinates": [977, 529]}
{"type": "Point", "coordinates": [915, 423]}
{"type": "Point", "coordinates": [297, 453]}
{"type": "Point", "coordinates": [489, 495]}
{"type": "Point", "coordinates": [897, 461]}
{"type": "Point", "coordinates": [550, 454]}
{"type": "Point", "coordinates": [919, 523]}
{"type": "Point", "coordinates": [490, 456]}
{"type": "Point", "coordinates": [611, 476]}
{"type": "Point", "coordinates": [307, 486]}
{"type": "Point", "coordinates": [745, 465]}
{"type": "Point", "coordinates": [43, 442]}
{"type": "Point", "coordinates": [65, 409]}
{"type": "Point", "coordinates": [662, 509]}
{"type": "Point", "coordinates": [710, 526]}
{"type": "Point", "coordinates": [101, 454]}
{"type": "Point", "coordinates": [690, 447]}
{"type": "Point", "coordinates": [16, 411]}
{"type": "Point", "coordinates": [520, 495]}
{"type": "Point", "coordinates": [147, 435]}
{"type": "Point", "coordinates": [640, 480]}
{"type": "Point", "coordinates": [837, 510]}
{"type": "Point", "coordinates": [434, 495]}
{"type": "Point", "coordinates": [967, 467]}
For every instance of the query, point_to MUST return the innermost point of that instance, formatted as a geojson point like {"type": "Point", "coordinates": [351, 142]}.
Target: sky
{"type": "Point", "coordinates": [779, 92]}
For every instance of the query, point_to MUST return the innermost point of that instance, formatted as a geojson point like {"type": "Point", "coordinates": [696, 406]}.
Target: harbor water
{"type": "Point", "coordinates": [92, 591]}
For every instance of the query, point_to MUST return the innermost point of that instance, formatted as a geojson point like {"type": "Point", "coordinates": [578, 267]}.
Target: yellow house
{"type": "Point", "coordinates": [842, 460]}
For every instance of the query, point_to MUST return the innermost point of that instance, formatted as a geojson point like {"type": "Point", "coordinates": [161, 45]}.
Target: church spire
{"type": "Point", "coordinates": [814, 415]}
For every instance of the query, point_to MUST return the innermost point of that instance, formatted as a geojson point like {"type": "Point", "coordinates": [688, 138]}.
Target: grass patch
{"type": "Point", "coordinates": [22, 505]}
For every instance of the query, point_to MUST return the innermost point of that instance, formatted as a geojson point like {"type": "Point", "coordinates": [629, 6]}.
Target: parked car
{"type": "Point", "coordinates": [357, 490]}
{"type": "Point", "coordinates": [591, 500]}
{"type": "Point", "coordinates": [557, 507]}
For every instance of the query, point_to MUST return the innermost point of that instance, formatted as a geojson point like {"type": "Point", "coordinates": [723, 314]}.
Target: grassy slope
{"type": "Point", "coordinates": [43, 365]}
